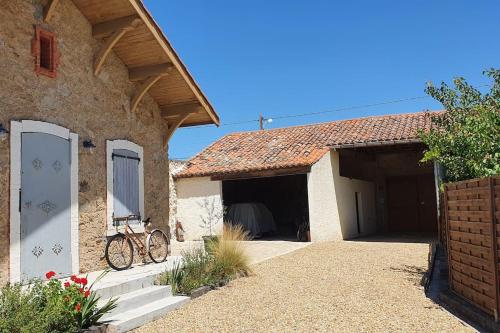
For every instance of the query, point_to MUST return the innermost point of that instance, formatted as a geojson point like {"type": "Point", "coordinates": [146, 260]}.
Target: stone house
{"type": "Point", "coordinates": [344, 178]}
{"type": "Point", "coordinates": [175, 166]}
{"type": "Point", "coordinates": [91, 92]}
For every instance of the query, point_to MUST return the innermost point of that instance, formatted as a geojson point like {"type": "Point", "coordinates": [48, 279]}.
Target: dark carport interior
{"type": "Point", "coordinates": [284, 196]}
{"type": "Point", "coordinates": [404, 186]}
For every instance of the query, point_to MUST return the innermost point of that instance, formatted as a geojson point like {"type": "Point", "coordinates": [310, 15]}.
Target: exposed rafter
{"type": "Point", "coordinates": [119, 30]}
{"type": "Point", "coordinates": [143, 89]}
{"type": "Point", "coordinates": [48, 10]}
{"type": "Point", "coordinates": [142, 73]}
{"type": "Point", "coordinates": [174, 58]}
{"type": "Point", "coordinates": [105, 29]}
{"type": "Point", "coordinates": [180, 110]}
{"type": "Point", "coordinates": [172, 127]}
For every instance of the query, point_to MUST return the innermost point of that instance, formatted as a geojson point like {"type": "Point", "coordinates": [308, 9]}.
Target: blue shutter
{"type": "Point", "coordinates": [125, 183]}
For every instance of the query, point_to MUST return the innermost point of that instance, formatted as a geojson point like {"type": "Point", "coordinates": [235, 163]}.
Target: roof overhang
{"type": "Point", "coordinates": [262, 173]}
{"type": "Point", "coordinates": [250, 174]}
{"type": "Point", "coordinates": [129, 30]}
{"type": "Point", "coordinates": [374, 144]}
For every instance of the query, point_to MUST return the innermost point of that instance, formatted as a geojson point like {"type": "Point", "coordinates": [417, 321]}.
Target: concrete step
{"type": "Point", "coordinates": [128, 320]}
{"type": "Point", "coordinates": [138, 298]}
{"type": "Point", "coordinates": [121, 287]}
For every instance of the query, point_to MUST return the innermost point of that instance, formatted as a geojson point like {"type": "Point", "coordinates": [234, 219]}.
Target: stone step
{"type": "Point", "coordinates": [121, 287]}
{"type": "Point", "coordinates": [138, 298]}
{"type": "Point", "coordinates": [128, 320]}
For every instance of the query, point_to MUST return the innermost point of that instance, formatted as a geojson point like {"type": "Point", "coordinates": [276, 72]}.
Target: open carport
{"type": "Point", "coordinates": [344, 179]}
{"type": "Point", "coordinates": [405, 190]}
{"type": "Point", "coordinates": [285, 197]}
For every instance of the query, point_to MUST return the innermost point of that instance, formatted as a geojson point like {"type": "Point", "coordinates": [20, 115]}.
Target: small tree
{"type": "Point", "coordinates": [466, 138]}
{"type": "Point", "coordinates": [213, 214]}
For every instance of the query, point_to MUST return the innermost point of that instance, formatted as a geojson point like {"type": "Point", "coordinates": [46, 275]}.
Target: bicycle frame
{"type": "Point", "coordinates": [132, 235]}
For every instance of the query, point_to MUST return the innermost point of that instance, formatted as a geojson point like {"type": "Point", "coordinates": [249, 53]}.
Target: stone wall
{"type": "Point", "coordinates": [175, 166]}
{"type": "Point", "coordinates": [96, 108]}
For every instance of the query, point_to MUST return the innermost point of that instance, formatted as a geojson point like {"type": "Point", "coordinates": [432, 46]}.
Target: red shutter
{"type": "Point", "coordinates": [44, 50]}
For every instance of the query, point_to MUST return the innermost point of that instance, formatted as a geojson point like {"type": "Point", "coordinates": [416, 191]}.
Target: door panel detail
{"type": "Point", "coordinates": [46, 230]}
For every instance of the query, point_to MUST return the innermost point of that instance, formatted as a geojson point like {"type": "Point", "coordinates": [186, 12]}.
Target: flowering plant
{"type": "Point", "coordinates": [78, 299]}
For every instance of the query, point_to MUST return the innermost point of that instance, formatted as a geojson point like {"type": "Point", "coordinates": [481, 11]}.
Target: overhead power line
{"type": "Point", "coordinates": [285, 116]}
{"type": "Point", "coordinates": [363, 106]}
{"type": "Point", "coordinates": [346, 108]}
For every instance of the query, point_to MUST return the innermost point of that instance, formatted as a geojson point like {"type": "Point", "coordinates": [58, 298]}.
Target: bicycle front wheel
{"type": "Point", "coordinates": [158, 246]}
{"type": "Point", "coordinates": [119, 252]}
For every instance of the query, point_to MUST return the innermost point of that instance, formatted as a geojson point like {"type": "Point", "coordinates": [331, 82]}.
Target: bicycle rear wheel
{"type": "Point", "coordinates": [119, 252]}
{"type": "Point", "coordinates": [158, 244]}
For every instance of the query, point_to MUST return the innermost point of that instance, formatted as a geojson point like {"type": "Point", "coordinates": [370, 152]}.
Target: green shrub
{"type": "Point", "coordinates": [465, 139]}
{"type": "Point", "coordinates": [197, 270]}
{"type": "Point", "coordinates": [225, 260]}
{"type": "Point", "coordinates": [33, 309]}
{"type": "Point", "coordinates": [50, 306]}
{"type": "Point", "coordinates": [192, 273]}
{"type": "Point", "coordinates": [172, 278]}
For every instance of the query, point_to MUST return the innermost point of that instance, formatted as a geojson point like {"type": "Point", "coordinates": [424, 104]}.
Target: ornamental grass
{"type": "Point", "coordinates": [226, 259]}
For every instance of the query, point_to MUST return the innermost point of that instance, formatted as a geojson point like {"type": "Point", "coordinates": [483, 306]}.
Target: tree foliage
{"type": "Point", "coordinates": [465, 139]}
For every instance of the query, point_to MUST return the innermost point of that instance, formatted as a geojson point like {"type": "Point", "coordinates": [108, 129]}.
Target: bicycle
{"type": "Point", "coordinates": [119, 251]}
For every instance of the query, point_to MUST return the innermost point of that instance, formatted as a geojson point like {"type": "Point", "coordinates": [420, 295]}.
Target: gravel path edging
{"type": "Point", "coordinates": [260, 260]}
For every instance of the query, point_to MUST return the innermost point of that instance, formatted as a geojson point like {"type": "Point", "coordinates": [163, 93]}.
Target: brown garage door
{"type": "Point", "coordinates": [412, 204]}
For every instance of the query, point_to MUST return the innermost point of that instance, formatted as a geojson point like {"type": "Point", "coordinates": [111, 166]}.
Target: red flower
{"type": "Point", "coordinates": [81, 290]}
{"type": "Point", "coordinates": [77, 307]}
{"type": "Point", "coordinates": [73, 278]}
{"type": "Point", "coordinates": [50, 275]}
{"type": "Point", "coordinates": [87, 293]}
{"type": "Point", "coordinates": [83, 281]}
{"type": "Point", "coordinates": [67, 284]}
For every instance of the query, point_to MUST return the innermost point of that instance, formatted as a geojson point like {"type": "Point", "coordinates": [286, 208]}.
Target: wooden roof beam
{"type": "Point", "coordinates": [180, 110]}
{"type": "Point", "coordinates": [105, 29]}
{"type": "Point", "coordinates": [167, 48]}
{"type": "Point", "coordinates": [143, 90]}
{"type": "Point", "coordinates": [145, 72]}
{"type": "Point", "coordinates": [49, 9]}
{"type": "Point", "coordinates": [172, 127]}
{"type": "Point", "coordinates": [119, 30]}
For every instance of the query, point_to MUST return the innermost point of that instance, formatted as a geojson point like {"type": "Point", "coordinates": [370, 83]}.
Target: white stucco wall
{"type": "Point", "coordinates": [324, 220]}
{"type": "Point", "coordinates": [345, 189]}
{"type": "Point", "coordinates": [332, 202]}
{"type": "Point", "coordinates": [199, 199]}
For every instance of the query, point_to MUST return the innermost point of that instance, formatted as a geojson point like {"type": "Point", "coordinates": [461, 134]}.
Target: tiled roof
{"type": "Point", "coordinates": [299, 146]}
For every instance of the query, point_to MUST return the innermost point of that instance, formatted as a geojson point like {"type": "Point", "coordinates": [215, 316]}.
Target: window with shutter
{"type": "Point", "coordinates": [125, 183]}
{"type": "Point", "coordinates": [44, 50]}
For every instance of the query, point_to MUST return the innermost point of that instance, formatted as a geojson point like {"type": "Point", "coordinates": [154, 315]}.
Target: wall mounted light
{"type": "Point", "coordinates": [264, 121]}
{"type": "Point", "coordinates": [88, 144]}
{"type": "Point", "coordinates": [4, 133]}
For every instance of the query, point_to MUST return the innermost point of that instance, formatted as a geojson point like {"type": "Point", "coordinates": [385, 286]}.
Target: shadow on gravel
{"type": "Point", "coordinates": [413, 274]}
{"type": "Point", "coordinates": [397, 238]}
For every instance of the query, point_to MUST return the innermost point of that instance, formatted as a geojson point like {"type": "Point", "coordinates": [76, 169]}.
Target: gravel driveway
{"type": "Point", "coordinates": [355, 286]}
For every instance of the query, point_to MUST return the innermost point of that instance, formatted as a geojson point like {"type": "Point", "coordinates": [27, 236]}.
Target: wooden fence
{"type": "Point", "coordinates": [472, 213]}
{"type": "Point", "coordinates": [442, 229]}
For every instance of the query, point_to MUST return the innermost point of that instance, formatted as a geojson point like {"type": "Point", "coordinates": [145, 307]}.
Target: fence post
{"type": "Point", "coordinates": [494, 246]}
{"type": "Point", "coordinates": [447, 235]}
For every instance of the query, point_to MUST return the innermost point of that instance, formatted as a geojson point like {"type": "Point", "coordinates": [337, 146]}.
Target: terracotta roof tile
{"type": "Point", "coordinates": [299, 146]}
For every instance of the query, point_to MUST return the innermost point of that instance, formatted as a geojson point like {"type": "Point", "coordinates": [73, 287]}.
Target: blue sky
{"type": "Point", "coordinates": [293, 57]}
